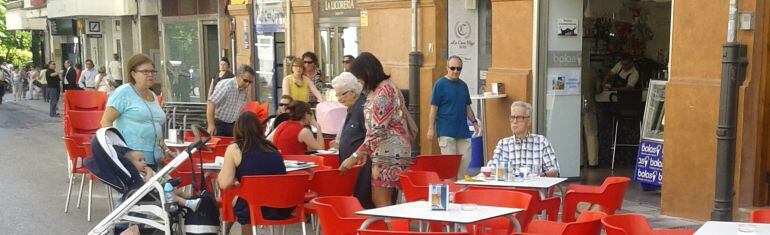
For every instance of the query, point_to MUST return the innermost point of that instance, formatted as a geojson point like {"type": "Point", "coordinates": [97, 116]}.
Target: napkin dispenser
{"type": "Point", "coordinates": [438, 197]}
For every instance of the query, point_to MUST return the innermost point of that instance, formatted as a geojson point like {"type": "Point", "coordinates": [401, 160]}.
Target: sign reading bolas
{"type": "Point", "coordinates": [649, 163]}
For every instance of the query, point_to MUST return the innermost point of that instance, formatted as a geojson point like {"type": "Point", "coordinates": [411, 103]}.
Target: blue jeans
{"type": "Point", "coordinates": [223, 128]}
{"type": "Point", "coordinates": [53, 95]}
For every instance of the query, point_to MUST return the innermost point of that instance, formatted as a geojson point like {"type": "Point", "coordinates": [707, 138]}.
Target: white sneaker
{"type": "Point", "coordinates": [193, 204]}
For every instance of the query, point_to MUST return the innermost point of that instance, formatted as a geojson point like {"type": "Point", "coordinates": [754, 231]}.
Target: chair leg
{"type": "Point", "coordinates": [614, 146]}
{"type": "Point", "coordinates": [304, 232]}
{"type": "Point", "coordinates": [254, 230]}
{"type": "Point", "coordinates": [69, 194]}
{"type": "Point", "coordinates": [90, 197]}
{"type": "Point", "coordinates": [272, 231]}
{"type": "Point", "coordinates": [110, 203]}
{"type": "Point", "coordinates": [283, 228]}
{"type": "Point", "coordinates": [80, 193]}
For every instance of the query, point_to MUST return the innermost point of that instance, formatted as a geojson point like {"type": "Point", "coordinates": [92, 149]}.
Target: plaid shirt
{"type": "Point", "coordinates": [533, 149]}
{"type": "Point", "coordinates": [228, 100]}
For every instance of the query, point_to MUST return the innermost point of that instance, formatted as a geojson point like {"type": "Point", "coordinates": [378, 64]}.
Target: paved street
{"type": "Point", "coordinates": [33, 176]}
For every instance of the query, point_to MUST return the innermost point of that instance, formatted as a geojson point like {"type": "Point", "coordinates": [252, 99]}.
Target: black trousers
{"type": "Point", "coordinates": [224, 128]}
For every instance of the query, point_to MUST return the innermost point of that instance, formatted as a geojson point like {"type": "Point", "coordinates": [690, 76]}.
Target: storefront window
{"type": "Point", "coordinates": [182, 61]}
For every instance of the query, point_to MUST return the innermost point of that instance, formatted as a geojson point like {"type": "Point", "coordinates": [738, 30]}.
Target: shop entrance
{"type": "Point", "coordinates": [336, 42]}
{"type": "Point", "coordinates": [580, 46]}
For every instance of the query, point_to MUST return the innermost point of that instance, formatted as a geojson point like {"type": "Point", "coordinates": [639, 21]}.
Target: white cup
{"type": "Point", "coordinates": [219, 160]}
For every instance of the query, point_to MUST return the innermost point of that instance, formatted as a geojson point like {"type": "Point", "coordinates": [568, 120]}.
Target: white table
{"type": "Point", "coordinates": [218, 167]}
{"type": "Point", "coordinates": [725, 228]}
{"type": "Point", "coordinates": [420, 210]}
{"type": "Point", "coordinates": [542, 184]}
{"type": "Point", "coordinates": [482, 115]}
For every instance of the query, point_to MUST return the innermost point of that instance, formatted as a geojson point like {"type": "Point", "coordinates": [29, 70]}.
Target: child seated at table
{"type": "Point", "coordinates": [137, 159]}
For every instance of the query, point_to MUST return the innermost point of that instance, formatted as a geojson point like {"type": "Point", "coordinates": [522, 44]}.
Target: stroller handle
{"type": "Point", "coordinates": [199, 143]}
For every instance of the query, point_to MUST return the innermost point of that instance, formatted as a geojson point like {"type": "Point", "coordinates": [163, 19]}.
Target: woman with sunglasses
{"type": "Point", "coordinates": [299, 86]}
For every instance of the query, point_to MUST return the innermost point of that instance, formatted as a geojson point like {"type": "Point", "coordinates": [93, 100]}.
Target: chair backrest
{"type": "Point", "coordinates": [415, 184]}
{"type": "Point", "coordinates": [626, 224]}
{"type": "Point", "coordinates": [333, 183]}
{"type": "Point", "coordinates": [614, 188]}
{"type": "Point", "coordinates": [276, 191]}
{"type": "Point", "coordinates": [227, 196]}
{"type": "Point", "coordinates": [588, 223]}
{"type": "Point", "coordinates": [85, 100]}
{"type": "Point", "coordinates": [536, 205]}
{"type": "Point", "coordinates": [446, 166]}
{"type": "Point", "coordinates": [84, 122]}
{"type": "Point", "coordinates": [387, 232]}
{"type": "Point", "coordinates": [760, 216]}
{"type": "Point", "coordinates": [75, 151]}
{"type": "Point", "coordinates": [261, 110]}
{"type": "Point", "coordinates": [499, 198]}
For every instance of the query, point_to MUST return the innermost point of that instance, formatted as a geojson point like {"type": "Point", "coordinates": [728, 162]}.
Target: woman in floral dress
{"type": "Point", "coordinates": [389, 130]}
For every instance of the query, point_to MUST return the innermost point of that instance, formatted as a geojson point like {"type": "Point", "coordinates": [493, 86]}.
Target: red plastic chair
{"type": "Point", "coordinates": [338, 215]}
{"type": "Point", "coordinates": [332, 160]}
{"type": "Point", "coordinates": [499, 198]}
{"type": "Point", "coordinates": [549, 205]}
{"type": "Point", "coordinates": [75, 100]}
{"type": "Point", "coordinates": [276, 191]}
{"type": "Point", "coordinates": [609, 196]}
{"type": "Point", "coordinates": [226, 200]}
{"type": "Point", "coordinates": [415, 184]}
{"type": "Point", "coordinates": [77, 152]}
{"type": "Point", "coordinates": [83, 122]}
{"type": "Point", "coordinates": [630, 224]}
{"type": "Point", "coordinates": [445, 165]}
{"type": "Point", "coordinates": [588, 223]}
{"type": "Point", "coordinates": [760, 216]}
{"type": "Point", "coordinates": [261, 110]}
{"type": "Point", "coordinates": [388, 232]}
{"type": "Point", "coordinates": [330, 182]}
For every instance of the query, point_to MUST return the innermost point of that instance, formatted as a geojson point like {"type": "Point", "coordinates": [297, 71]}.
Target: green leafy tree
{"type": "Point", "coordinates": [14, 45]}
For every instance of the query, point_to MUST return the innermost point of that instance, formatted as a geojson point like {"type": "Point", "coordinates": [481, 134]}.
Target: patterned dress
{"type": "Point", "coordinates": [387, 140]}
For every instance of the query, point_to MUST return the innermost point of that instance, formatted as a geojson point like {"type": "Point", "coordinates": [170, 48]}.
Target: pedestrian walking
{"type": "Point", "coordinates": [34, 87]}
{"type": "Point", "coordinates": [87, 79]}
{"type": "Point", "coordinates": [116, 70]}
{"type": "Point", "coordinates": [25, 82]}
{"type": "Point", "coordinates": [389, 130]}
{"type": "Point", "coordinates": [18, 85]}
{"type": "Point", "coordinates": [53, 88]}
{"type": "Point", "coordinates": [227, 100]}
{"type": "Point", "coordinates": [450, 111]}
{"type": "Point", "coordinates": [4, 84]}
{"type": "Point", "coordinates": [298, 85]}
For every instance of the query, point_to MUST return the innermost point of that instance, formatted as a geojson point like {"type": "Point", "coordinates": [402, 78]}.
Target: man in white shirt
{"type": "Point", "coordinates": [623, 75]}
{"type": "Point", "coordinates": [116, 70]}
{"type": "Point", "coordinates": [87, 79]}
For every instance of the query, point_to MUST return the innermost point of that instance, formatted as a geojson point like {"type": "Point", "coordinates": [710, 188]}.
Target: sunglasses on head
{"type": "Point", "coordinates": [456, 68]}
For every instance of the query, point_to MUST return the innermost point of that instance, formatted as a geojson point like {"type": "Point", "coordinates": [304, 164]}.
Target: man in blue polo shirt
{"type": "Point", "coordinates": [450, 111]}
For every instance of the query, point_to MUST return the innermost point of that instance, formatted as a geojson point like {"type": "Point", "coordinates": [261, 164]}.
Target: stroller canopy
{"type": "Point", "coordinates": [108, 163]}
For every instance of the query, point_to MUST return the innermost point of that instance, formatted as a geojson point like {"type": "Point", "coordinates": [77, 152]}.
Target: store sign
{"type": "Point", "coordinates": [62, 26]}
{"type": "Point", "coordinates": [269, 16]}
{"type": "Point", "coordinates": [649, 163]}
{"type": "Point", "coordinates": [564, 59]}
{"type": "Point", "coordinates": [337, 8]}
{"type": "Point", "coordinates": [94, 29]}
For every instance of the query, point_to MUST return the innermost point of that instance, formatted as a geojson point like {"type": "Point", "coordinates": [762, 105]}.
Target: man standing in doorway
{"type": "Point", "coordinates": [70, 77]}
{"type": "Point", "coordinates": [227, 101]}
{"type": "Point", "coordinates": [87, 79]}
{"type": "Point", "coordinates": [450, 111]}
{"type": "Point", "coordinates": [116, 70]}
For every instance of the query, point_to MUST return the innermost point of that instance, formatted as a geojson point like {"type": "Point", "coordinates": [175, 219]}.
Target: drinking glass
{"type": "Point", "coordinates": [534, 171]}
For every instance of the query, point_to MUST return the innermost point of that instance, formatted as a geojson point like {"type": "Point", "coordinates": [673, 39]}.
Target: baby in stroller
{"type": "Point", "coordinates": [181, 197]}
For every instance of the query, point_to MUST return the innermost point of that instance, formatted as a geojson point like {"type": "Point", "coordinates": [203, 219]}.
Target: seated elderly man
{"type": "Point", "coordinates": [525, 149]}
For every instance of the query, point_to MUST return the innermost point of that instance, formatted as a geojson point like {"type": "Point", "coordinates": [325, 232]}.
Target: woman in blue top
{"type": "Point", "coordinates": [251, 154]}
{"type": "Point", "coordinates": [134, 109]}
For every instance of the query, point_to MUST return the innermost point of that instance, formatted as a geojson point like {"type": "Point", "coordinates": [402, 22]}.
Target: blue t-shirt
{"type": "Point", "coordinates": [140, 122]}
{"type": "Point", "coordinates": [452, 99]}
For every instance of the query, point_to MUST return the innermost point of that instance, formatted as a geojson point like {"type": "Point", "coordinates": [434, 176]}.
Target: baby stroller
{"type": "Point", "coordinates": [142, 202]}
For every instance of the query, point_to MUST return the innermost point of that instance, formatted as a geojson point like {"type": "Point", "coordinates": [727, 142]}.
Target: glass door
{"type": "Point", "coordinates": [558, 96]}
{"type": "Point", "coordinates": [335, 43]}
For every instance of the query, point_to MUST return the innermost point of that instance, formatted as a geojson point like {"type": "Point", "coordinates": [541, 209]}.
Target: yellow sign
{"type": "Point", "coordinates": [364, 18]}
{"type": "Point", "coordinates": [240, 2]}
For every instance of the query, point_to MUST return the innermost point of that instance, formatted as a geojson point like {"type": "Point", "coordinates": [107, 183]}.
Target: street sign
{"type": "Point", "coordinates": [94, 27]}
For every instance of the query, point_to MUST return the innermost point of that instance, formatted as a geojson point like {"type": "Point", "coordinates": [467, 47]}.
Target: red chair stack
{"type": "Point", "coordinates": [83, 112]}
